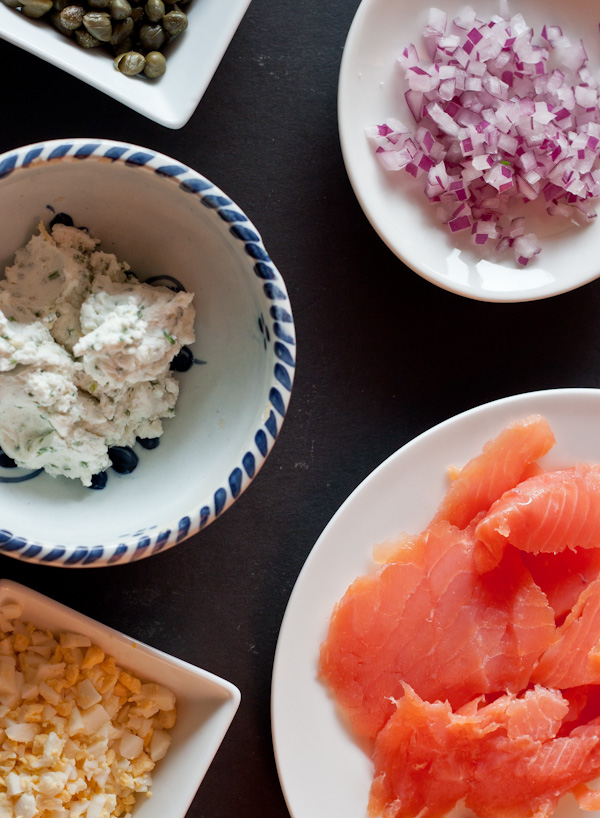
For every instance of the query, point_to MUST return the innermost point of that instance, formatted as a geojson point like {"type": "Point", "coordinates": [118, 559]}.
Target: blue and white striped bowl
{"type": "Point", "coordinates": [164, 219]}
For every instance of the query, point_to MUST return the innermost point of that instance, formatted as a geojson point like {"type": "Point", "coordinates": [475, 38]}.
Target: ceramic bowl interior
{"type": "Point", "coordinates": [170, 100]}
{"type": "Point", "coordinates": [164, 219]}
{"type": "Point", "coordinates": [206, 704]}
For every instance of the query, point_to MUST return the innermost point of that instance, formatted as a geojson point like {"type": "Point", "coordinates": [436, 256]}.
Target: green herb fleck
{"type": "Point", "coordinates": [168, 337]}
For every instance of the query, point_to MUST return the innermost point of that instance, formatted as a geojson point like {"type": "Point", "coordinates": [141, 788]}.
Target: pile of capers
{"type": "Point", "coordinates": [134, 31]}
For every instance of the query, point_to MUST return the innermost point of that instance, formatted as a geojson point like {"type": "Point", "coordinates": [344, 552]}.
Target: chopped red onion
{"type": "Point", "coordinates": [500, 118]}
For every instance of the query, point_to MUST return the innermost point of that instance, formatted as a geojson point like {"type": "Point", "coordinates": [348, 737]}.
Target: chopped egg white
{"type": "Point", "coordinates": [79, 735]}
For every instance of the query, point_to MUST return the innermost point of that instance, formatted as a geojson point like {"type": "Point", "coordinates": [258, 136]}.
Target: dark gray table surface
{"type": "Point", "coordinates": [382, 356]}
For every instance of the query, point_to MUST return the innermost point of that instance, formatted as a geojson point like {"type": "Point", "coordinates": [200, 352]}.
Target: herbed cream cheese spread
{"type": "Point", "coordinates": [85, 349]}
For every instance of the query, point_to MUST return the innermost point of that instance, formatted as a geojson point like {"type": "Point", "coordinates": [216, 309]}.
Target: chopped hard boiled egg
{"type": "Point", "coordinates": [79, 735]}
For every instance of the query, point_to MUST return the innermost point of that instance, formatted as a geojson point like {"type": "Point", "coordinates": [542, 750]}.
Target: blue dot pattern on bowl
{"type": "Point", "coordinates": [274, 322]}
{"type": "Point", "coordinates": [20, 478]}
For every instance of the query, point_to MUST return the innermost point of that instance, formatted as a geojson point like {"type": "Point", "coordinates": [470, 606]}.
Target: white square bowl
{"type": "Point", "coordinates": [170, 100]}
{"type": "Point", "coordinates": [206, 704]}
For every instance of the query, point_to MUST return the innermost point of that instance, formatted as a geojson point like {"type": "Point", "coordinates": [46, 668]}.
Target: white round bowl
{"type": "Point", "coordinates": [371, 90]}
{"type": "Point", "coordinates": [164, 219]}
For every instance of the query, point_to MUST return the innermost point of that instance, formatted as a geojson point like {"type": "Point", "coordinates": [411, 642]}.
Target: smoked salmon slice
{"type": "Point", "coordinates": [500, 466]}
{"type": "Point", "coordinates": [574, 659]}
{"type": "Point", "coordinates": [504, 758]}
{"type": "Point", "coordinates": [432, 622]}
{"type": "Point", "coordinates": [549, 513]}
{"type": "Point", "coordinates": [563, 576]}
{"type": "Point", "coordinates": [471, 656]}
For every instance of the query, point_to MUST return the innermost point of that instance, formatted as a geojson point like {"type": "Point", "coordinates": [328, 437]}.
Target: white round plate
{"type": "Point", "coordinates": [322, 769]}
{"type": "Point", "coordinates": [371, 89]}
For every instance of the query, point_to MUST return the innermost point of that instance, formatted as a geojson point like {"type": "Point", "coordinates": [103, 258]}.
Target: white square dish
{"type": "Point", "coordinates": [169, 100]}
{"type": "Point", "coordinates": [206, 704]}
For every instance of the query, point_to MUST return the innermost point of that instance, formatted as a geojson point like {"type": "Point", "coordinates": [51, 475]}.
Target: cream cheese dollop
{"type": "Point", "coordinates": [85, 349]}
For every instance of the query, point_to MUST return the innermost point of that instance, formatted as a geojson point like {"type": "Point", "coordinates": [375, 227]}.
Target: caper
{"type": "Point", "coordinates": [85, 39]}
{"type": "Point", "coordinates": [130, 63]}
{"type": "Point", "coordinates": [155, 10]}
{"type": "Point", "coordinates": [156, 64]}
{"type": "Point", "coordinates": [72, 17]}
{"type": "Point", "coordinates": [152, 37]}
{"type": "Point", "coordinates": [121, 31]}
{"type": "Point", "coordinates": [124, 47]}
{"type": "Point", "coordinates": [36, 8]}
{"type": "Point", "coordinates": [132, 30]}
{"type": "Point", "coordinates": [99, 25]}
{"type": "Point", "coordinates": [119, 9]}
{"type": "Point", "coordinates": [175, 22]}
{"type": "Point", "coordinates": [56, 21]}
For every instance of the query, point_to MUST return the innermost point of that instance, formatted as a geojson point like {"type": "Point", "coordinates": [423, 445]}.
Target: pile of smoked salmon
{"type": "Point", "coordinates": [471, 656]}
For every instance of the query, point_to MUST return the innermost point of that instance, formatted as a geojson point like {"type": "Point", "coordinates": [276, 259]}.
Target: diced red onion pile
{"type": "Point", "coordinates": [497, 124]}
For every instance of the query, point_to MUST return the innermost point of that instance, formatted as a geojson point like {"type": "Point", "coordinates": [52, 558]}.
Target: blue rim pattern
{"type": "Point", "coordinates": [276, 322]}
